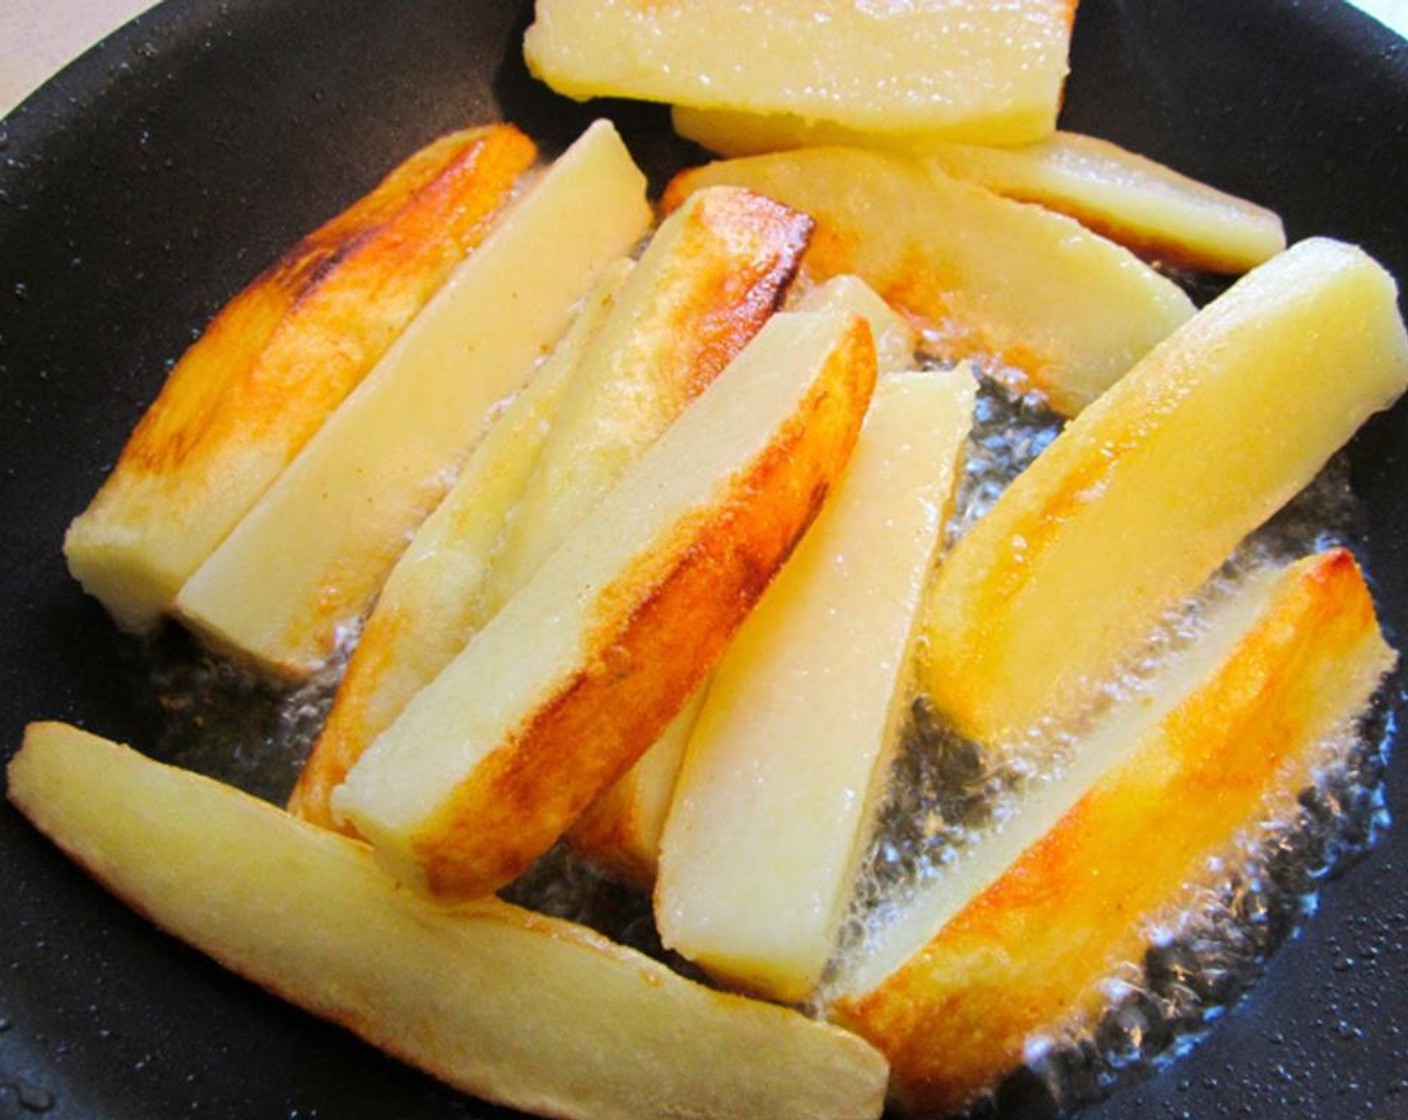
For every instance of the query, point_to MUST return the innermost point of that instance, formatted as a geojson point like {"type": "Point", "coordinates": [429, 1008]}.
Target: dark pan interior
{"type": "Point", "coordinates": [149, 181]}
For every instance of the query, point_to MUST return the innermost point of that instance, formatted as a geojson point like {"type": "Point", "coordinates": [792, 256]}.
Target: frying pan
{"type": "Point", "coordinates": [150, 180]}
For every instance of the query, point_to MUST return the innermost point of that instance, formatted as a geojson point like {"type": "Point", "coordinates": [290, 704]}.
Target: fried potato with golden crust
{"type": "Point", "coordinates": [1152, 209]}
{"type": "Point", "coordinates": [712, 275]}
{"type": "Point", "coordinates": [309, 558]}
{"type": "Point", "coordinates": [275, 362]}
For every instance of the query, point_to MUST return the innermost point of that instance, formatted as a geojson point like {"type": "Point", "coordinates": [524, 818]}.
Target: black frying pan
{"type": "Point", "coordinates": [150, 180]}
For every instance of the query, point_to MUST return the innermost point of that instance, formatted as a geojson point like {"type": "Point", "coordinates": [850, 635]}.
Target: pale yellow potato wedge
{"type": "Point", "coordinates": [1136, 201]}
{"type": "Point", "coordinates": [784, 769]}
{"type": "Point", "coordinates": [579, 673]}
{"type": "Point", "coordinates": [311, 555]}
{"type": "Point", "coordinates": [620, 833]}
{"type": "Point", "coordinates": [969, 69]}
{"type": "Point", "coordinates": [434, 598]}
{"type": "Point", "coordinates": [983, 275]}
{"type": "Point", "coordinates": [710, 278]}
{"type": "Point", "coordinates": [274, 362]}
{"type": "Point", "coordinates": [1177, 778]}
{"type": "Point", "coordinates": [1150, 489]}
{"type": "Point", "coordinates": [1129, 198]}
{"type": "Point", "coordinates": [528, 1011]}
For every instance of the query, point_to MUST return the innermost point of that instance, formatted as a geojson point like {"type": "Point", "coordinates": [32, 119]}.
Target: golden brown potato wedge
{"type": "Point", "coordinates": [1136, 201]}
{"type": "Point", "coordinates": [710, 278]}
{"type": "Point", "coordinates": [712, 275]}
{"type": "Point", "coordinates": [1020, 946]}
{"type": "Point", "coordinates": [578, 674]}
{"type": "Point", "coordinates": [309, 558]}
{"type": "Point", "coordinates": [275, 362]}
{"type": "Point", "coordinates": [528, 1011]}
{"type": "Point", "coordinates": [968, 69]}
{"type": "Point", "coordinates": [983, 275]}
{"type": "Point", "coordinates": [434, 598]}
{"type": "Point", "coordinates": [1150, 489]}
{"type": "Point", "coordinates": [786, 763]}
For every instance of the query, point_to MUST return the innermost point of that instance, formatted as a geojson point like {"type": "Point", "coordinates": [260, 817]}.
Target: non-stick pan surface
{"type": "Point", "coordinates": [149, 181]}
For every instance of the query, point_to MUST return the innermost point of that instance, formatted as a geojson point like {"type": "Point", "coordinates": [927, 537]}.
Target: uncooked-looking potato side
{"type": "Point", "coordinates": [783, 773]}
{"type": "Point", "coordinates": [966, 69]}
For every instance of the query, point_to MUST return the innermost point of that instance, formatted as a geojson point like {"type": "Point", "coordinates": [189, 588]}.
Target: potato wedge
{"type": "Point", "coordinates": [1161, 786]}
{"type": "Point", "coordinates": [275, 362]}
{"type": "Point", "coordinates": [434, 598]}
{"type": "Point", "coordinates": [1136, 201]}
{"type": "Point", "coordinates": [620, 833]}
{"type": "Point", "coordinates": [983, 275]}
{"type": "Point", "coordinates": [578, 674]}
{"type": "Point", "coordinates": [311, 555]}
{"type": "Point", "coordinates": [783, 771]}
{"type": "Point", "coordinates": [1151, 488]}
{"type": "Point", "coordinates": [712, 275]}
{"type": "Point", "coordinates": [989, 73]}
{"type": "Point", "coordinates": [528, 1011]}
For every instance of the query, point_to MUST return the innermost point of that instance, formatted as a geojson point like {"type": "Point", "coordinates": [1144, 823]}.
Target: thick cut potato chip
{"type": "Point", "coordinates": [312, 554]}
{"type": "Point", "coordinates": [539, 1014]}
{"type": "Point", "coordinates": [985, 277]}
